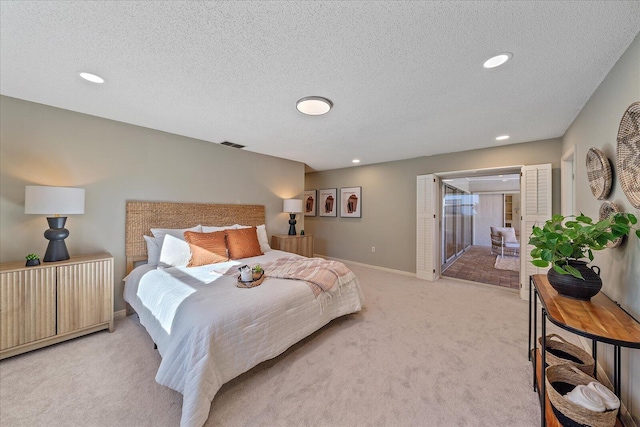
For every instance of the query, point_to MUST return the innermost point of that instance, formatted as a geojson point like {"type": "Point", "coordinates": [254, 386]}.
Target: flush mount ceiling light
{"type": "Point", "coordinates": [355, 161]}
{"type": "Point", "coordinates": [93, 78]}
{"type": "Point", "coordinates": [497, 60]}
{"type": "Point", "coordinates": [314, 105]}
{"type": "Point", "coordinates": [502, 137]}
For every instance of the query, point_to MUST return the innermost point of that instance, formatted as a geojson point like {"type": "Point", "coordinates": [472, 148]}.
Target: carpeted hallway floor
{"type": "Point", "coordinates": [443, 353]}
{"type": "Point", "coordinates": [477, 265]}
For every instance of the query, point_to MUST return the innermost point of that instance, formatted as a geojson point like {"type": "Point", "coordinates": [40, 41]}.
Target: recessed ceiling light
{"type": "Point", "coordinates": [355, 161]}
{"type": "Point", "coordinates": [497, 60]}
{"type": "Point", "coordinates": [91, 77]}
{"type": "Point", "coordinates": [502, 137]}
{"type": "Point", "coordinates": [314, 105]}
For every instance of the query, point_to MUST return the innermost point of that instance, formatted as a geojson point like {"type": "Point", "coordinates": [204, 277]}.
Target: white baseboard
{"type": "Point", "coordinates": [119, 314]}
{"type": "Point", "coordinates": [624, 414]}
{"type": "Point", "coordinates": [390, 270]}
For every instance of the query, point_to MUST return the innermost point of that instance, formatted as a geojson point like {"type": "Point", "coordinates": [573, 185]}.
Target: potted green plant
{"type": "Point", "coordinates": [257, 272]}
{"type": "Point", "coordinates": [565, 243]}
{"type": "Point", "coordinates": [32, 259]}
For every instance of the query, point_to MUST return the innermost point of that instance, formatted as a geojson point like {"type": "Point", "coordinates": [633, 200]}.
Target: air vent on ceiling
{"type": "Point", "coordinates": [231, 144]}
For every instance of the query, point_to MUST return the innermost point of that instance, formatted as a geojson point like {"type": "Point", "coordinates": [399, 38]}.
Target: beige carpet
{"type": "Point", "coordinates": [511, 263]}
{"type": "Point", "coordinates": [421, 354]}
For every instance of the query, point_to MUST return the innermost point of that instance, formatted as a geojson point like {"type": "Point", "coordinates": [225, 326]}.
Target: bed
{"type": "Point", "coordinates": [207, 330]}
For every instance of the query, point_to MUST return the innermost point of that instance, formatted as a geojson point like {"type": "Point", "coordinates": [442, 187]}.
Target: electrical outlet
{"type": "Point", "coordinates": [373, 248]}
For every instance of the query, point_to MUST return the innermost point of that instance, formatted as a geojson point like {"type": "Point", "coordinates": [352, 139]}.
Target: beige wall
{"type": "Point", "coordinates": [597, 126]}
{"type": "Point", "coordinates": [116, 162]}
{"type": "Point", "coordinates": [389, 201]}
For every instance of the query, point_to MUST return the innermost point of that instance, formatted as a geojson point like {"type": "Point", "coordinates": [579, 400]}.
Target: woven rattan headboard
{"type": "Point", "coordinates": [142, 216]}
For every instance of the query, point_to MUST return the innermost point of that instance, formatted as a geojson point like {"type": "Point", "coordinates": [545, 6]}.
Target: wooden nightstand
{"type": "Point", "coordinates": [301, 245]}
{"type": "Point", "coordinates": [54, 301]}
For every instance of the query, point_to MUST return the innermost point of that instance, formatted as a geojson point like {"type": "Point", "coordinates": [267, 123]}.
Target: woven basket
{"type": "Point", "coordinates": [598, 173]}
{"type": "Point", "coordinates": [252, 284]}
{"type": "Point", "coordinates": [560, 379]}
{"type": "Point", "coordinates": [561, 352]}
{"type": "Point", "coordinates": [628, 154]}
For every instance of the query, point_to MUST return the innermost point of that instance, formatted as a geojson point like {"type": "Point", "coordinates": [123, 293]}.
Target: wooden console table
{"type": "Point", "coordinates": [54, 301]}
{"type": "Point", "coordinates": [601, 320]}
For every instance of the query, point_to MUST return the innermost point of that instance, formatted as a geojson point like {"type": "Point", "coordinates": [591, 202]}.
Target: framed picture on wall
{"type": "Point", "coordinates": [327, 202]}
{"type": "Point", "coordinates": [309, 202]}
{"type": "Point", "coordinates": [351, 202]}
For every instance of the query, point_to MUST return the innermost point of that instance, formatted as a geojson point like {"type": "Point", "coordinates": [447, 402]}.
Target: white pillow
{"type": "Point", "coordinates": [238, 226]}
{"type": "Point", "coordinates": [175, 253]}
{"type": "Point", "coordinates": [153, 250]}
{"type": "Point", "coordinates": [261, 230]}
{"type": "Point", "coordinates": [159, 233]}
{"type": "Point", "coordinates": [211, 229]}
{"type": "Point", "coordinates": [509, 235]}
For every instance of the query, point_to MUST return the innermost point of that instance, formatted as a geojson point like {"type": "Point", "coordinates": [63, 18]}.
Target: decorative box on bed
{"type": "Point", "coordinates": [195, 315]}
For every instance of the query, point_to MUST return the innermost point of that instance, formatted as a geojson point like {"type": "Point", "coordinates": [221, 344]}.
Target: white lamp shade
{"type": "Point", "coordinates": [53, 200]}
{"type": "Point", "coordinates": [292, 205]}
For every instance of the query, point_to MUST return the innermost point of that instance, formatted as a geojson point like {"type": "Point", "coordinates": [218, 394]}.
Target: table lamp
{"type": "Point", "coordinates": [292, 207]}
{"type": "Point", "coordinates": [54, 201]}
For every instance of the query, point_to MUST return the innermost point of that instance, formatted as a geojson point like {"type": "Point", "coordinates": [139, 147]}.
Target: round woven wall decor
{"type": "Point", "coordinates": [628, 154]}
{"type": "Point", "coordinates": [606, 210]}
{"type": "Point", "coordinates": [598, 173]}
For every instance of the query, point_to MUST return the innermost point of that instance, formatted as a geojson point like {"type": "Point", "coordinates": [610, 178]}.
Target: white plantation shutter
{"type": "Point", "coordinates": [426, 227]}
{"type": "Point", "coordinates": [535, 188]}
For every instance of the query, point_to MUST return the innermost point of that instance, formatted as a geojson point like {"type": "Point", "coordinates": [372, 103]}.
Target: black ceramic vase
{"type": "Point", "coordinates": [572, 287]}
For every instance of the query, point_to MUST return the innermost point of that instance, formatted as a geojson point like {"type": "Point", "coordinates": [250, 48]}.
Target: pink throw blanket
{"type": "Point", "coordinates": [320, 274]}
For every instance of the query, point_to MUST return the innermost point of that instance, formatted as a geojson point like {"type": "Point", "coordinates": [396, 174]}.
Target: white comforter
{"type": "Point", "coordinates": [209, 331]}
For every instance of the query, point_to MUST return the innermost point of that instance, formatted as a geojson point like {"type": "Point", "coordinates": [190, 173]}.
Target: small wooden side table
{"type": "Point", "coordinates": [301, 245]}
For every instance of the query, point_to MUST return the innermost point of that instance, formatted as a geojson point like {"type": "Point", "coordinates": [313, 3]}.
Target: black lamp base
{"type": "Point", "coordinates": [57, 249]}
{"type": "Point", "coordinates": [292, 224]}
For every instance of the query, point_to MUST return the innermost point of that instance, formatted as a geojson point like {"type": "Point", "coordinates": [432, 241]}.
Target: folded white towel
{"type": "Point", "coordinates": [610, 400]}
{"type": "Point", "coordinates": [587, 398]}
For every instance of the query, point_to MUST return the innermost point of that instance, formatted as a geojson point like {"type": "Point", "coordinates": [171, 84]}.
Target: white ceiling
{"type": "Point", "coordinates": [406, 78]}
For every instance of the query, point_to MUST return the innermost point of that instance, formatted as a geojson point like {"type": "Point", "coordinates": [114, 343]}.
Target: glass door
{"type": "Point", "coordinates": [450, 225]}
{"type": "Point", "coordinates": [466, 213]}
{"type": "Point", "coordinates": [457, 222]}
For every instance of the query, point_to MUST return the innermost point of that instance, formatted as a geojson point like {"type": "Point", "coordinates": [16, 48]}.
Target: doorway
{"type": "Point", "coordinates": [535, 192]}
{"type": "Point", "coordinates": [568, 185]}
{"type": "Point", "coordinates": [472, 206]}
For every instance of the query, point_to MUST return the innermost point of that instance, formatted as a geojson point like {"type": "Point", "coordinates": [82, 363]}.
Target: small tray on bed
{"type": "Point", "coordinates": [251, 284]}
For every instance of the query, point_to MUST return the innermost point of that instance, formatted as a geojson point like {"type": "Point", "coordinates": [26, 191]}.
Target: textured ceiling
{"type": "Point", "coordinates": [406, 78]}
